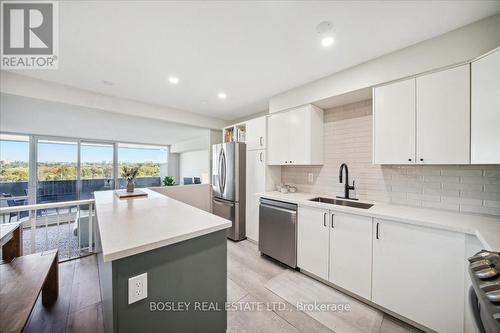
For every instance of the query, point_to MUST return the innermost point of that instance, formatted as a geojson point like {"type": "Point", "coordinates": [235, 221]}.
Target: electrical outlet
{"type": "Point", "coordinates": [137, 288]}
{"type": "Point", "coordinates": [310, 177]}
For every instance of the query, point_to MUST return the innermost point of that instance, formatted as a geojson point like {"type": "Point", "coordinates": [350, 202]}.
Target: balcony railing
{"type": "Point", "coordinates": [67, 226]}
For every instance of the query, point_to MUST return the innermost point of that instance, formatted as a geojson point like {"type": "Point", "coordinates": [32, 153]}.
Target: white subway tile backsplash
{"type": "Point", "coordinates": [348, 139]}
{"type": "Point", "coordinates": [465, 187]}
{"type": "Point", "coordinates": [492, 188]}
{"type": "Point", "coordinates": [481, 180]}
{"type": "Point", "coordinates": [440, 205]}
{"type": "Point", "coordinates": [480, 210]}
{"type": "Point", "coordinates": [442, 179]}
{"type": "Point", "coordinates": [460, 171]}
{"type": "Point", "coordinates": [481, 195]}
{"type": "Point", "coordinates": [424, 197]}
{"type": "Point", "coordinates": [462, 201]}
{"type": "Point", "coordinates": [492, 203]}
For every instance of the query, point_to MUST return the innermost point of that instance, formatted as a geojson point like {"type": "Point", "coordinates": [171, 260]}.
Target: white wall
{"type": "Point", "coordinates": [194, 164]}
{"type": "Point", "coordinates": [33, 116]}
{"type": "Point", "coordinates": [199, 196]}
{"type": "Point", "coordinates": [15, 84]}
{"type": "Point", "coordinates": [197, 143]}
{"type": "Point", "coordinates": [453, 47]}
{"type": "Point", "coordinates": [173, 166]}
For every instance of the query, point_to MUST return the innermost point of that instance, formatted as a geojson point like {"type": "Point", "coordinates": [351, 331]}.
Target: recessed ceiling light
{"type": "Point", "coordinates": [327, 41]}
{"type": "Point", "coordinates": [173, 80]}
{"type": "Point", "coordinates": [222, 95]}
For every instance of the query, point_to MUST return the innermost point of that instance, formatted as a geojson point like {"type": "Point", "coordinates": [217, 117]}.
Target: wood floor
{"type": "Point", "coordinates": [78, 308]}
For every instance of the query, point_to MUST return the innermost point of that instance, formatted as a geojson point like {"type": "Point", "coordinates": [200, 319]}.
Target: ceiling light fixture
{"type": "Point", "coordinates": [173, 80]}
{"type": "Point", "coordinates": [327, 41]}
{"type": "Point", "coordinates": [324, 30]}
{"type": "Point", "coordinates": [222, 95]}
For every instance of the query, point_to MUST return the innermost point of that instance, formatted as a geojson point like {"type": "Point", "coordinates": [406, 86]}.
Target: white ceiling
{"type": "Point", "coordinates": [249, 50]}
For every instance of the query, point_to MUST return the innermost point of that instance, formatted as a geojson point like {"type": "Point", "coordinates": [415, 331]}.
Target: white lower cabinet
{"type": "Point", "coordinates": [313, 241]}
{"type": "Point", "coordinates": [419, 273]}
{"type": "Point", "coordinates": [415, 272]}
{"type": "Point", "coordinates": [351, 253]}
{"type": "Point", "coordinates": [336, 247]}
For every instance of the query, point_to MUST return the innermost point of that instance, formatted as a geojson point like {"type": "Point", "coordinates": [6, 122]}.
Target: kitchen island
{"type": "Point", "coordinates": [183, 251]}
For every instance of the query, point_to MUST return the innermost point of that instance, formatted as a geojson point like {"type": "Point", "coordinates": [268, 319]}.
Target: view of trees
{"type": "Point", "coordinates": [13, 171]}
{"type": "Point", "coordinates": [18, 171]}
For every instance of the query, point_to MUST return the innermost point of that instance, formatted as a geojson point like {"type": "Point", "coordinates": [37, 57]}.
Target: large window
{"type": "Point", "coordinates": [14, 169]}
{"type": "Point", "coordinates": [151, 161]}
{"type": "Point", "coordinates": [56, 171]}
{"type": "Point", "coordinates": [14, 158]}
{"type": "Point", "coordinates": [96, 168]}
{"type": "Point", "coordinates": [72, 169]}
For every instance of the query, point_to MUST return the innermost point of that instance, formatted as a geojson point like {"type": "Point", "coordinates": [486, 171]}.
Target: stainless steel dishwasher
{"type": "Point", "coordinates": [278, 230]}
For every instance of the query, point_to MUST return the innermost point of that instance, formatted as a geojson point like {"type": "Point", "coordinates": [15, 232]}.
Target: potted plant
{"type": "Point", "coordinates": [168, 181]}
{"type": "Point", "coordinates": [129, 174]}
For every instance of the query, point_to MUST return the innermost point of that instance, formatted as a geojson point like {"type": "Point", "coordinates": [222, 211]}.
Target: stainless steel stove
{"type": "Point", "coordinates": [484, 270]}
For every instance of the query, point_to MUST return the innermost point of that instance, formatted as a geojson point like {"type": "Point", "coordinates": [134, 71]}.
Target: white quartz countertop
{"type": "Point", "coordinates": [486, 228]}
{"type": "Point", "coordinates": [135, 225]}
{"type": "Point", "coordinates": [6, 230]}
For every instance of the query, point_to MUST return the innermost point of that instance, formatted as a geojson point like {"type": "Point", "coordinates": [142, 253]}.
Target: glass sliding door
{"type": "Point", "coordinates": [151, 160]}
{"type": "Point", "coordinates": [57, 169]}
{"type": "Point", "coordinates": [14, 173]}
{"type": "Point", "coordinates": [96, 168]}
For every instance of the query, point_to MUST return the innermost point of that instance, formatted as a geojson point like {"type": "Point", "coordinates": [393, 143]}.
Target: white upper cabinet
{"type": "Point", "coordinates": [394, 123]}
{"type": "Point", "coordinates": [256, 133]}
{"type": "Point", "coordinates": [295, 137]}
{"type": "Point", "coordinates": [277, 134]}
{"type": "Point", "coordinates": [485, 110]}
{"type": "Point", "coordinates": [424, 120]}
{"type": "Point", "coordinates": [443, 117]}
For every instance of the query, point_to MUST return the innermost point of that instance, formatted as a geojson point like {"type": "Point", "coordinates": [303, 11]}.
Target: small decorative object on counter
{"type": "Point", "coordinates": [284, 188]}
{"type": "Point", "coordinates": [168, 181]}
{"type": "Point", "coordinates": [129, 174]}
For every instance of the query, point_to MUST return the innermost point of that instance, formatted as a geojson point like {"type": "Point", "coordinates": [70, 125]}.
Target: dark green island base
{"type": "Point", "coordinates": [191, 273]}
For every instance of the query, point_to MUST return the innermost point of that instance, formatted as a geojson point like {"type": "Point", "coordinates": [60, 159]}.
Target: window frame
{"type": "Point", "coordinates": [33, 158]}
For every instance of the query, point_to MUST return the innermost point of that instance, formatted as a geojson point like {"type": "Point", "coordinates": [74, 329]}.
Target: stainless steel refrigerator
{"type": "Point", "coordinates": [228, 186]}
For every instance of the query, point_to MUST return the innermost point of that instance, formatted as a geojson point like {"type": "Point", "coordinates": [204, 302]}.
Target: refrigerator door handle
{"type": "Point", "coordinates": [220, 173]}
{"type": "Point", "coordinates": [223, 166]}
{"type": "Point", "coordinates": [223, 203]}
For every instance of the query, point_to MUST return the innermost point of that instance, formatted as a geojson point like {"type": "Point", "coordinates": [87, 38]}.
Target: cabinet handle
{"type": "Point", "coordinates": [332, 220]}
{"type": "Point", "coordinates": [260, 156]}
{"type": "Point", "coordinates": [260, 141]}
{"type": "Point", "coordinates": [324, 219]}
{"type": "Point", "coordinates": [421, 160]}
{"type": "Point", "coordinates": [290, 162]}
{"type": "Point", "coordinates": [409, 160]}
{"type": "Point", "coordinates": [376, 231]}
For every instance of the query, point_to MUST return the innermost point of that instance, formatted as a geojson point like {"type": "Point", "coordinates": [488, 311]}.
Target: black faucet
{"type": "Point", "coordinates": [347, 186]}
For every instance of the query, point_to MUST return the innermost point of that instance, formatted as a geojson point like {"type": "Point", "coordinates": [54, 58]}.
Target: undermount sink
{"type": "Point", "coordinates": [342, 202]}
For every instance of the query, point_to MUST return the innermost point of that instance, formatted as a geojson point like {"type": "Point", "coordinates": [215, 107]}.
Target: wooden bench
{"type": "Point", "coordinates": [20, 284]}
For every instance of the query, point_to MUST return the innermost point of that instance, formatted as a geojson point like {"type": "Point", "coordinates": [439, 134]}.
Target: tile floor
{"type": "Point", "coordinates": [252, 279]}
